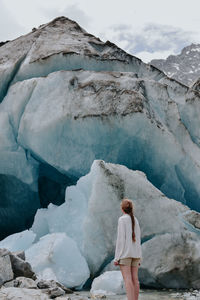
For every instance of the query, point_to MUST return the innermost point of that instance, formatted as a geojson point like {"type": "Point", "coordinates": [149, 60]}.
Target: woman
{"type": "Point", "coordinates": [128, 252]}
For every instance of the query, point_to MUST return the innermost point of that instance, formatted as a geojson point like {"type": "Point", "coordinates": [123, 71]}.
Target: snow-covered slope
{"type": "Point", "coordinates": [184, 67]}
{"type": "Point", "coordinates": [67, 98]}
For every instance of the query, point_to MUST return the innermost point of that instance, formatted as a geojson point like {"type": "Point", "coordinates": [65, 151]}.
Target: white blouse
{"type": "Point", "coordinates": [125, 247]}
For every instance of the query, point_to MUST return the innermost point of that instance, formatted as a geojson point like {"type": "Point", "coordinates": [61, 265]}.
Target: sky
{"type": "Point", "coordinates": [148, 29]}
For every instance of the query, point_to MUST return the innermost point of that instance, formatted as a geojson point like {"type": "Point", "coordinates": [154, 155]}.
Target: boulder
{"type": "Point", "coordinates": [20, 254]}
{"type": "Point", "coordinates": [23, 282]}
{"type": "Point", "coordinates": [171, 260]}
{"type": "Point", "coordinates": [47, 284]}
{"type": "Point", "coordinates": [21, 267]}
{"type": "Point", "coordinates": [6, 272]}
{"type": "Point", "coordinates": [22, 293]}
{"type": "Point", "coordinates": [55, 292]}
{"type": "Point", "coordinates": [9, 283]}
{"type": "Point", "coordinates": [4, 252]}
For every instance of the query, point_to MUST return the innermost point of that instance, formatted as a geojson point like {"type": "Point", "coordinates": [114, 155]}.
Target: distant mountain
{"type": "Point", "coordinates": [184, 67]}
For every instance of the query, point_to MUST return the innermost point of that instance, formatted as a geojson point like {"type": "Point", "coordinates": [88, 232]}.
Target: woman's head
{"type": "Point", "coordinates": [127, 206]}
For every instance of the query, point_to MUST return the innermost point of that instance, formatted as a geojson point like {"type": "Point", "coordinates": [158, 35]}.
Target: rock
{"type": "Point", "coordinates": [181, 66]}
{"type": "Point", "coordinates": [6, 272]}
{"type": "Point", "coordinates": [196, 85]}
{"type": "Point", "coordinates": [23, 282]}
{"type": "Point", "coordinates": [171, 260]}
{"type": "Point", "coordinates": [100, 295]}
{"type": "Point", "coordinates": [55, 292]}
{"type": "Point", "coordinates": [21, 267]}
{"type": "Point", "coordinates": [4, 252]}
{"type": "Point", "coordinates": [193, 218]}
{"type": "Point", "coordinates": [22, 293]}
{"type": "Point", "coordinates": [79, 297]}
{"type": "Point", "coordinates": [63, 298]}
{"type": "Point", "coordinates": [108, 283]}
{"type": "Point", "coordinates": [15, 266]}
{"type": "Point", "coordinates": [45, 284]}
{"type": "Point", "coordinates": [9, 283]}
{"type": "Point", "coordinates": [191, 295]}
{"type": "Point", "coordinates": [20, 254]}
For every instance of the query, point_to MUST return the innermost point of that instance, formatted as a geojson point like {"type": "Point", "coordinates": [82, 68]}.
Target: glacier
{"type": "Point", "coordinates": [90, 113]}
{"type": "Point", "coordinates": [70, 104]}
{"type": "Point", "coordinates": [114, 107]}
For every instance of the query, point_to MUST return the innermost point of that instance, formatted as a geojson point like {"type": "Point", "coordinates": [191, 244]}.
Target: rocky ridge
{"type": "Point", "coordinates": [184, 67]}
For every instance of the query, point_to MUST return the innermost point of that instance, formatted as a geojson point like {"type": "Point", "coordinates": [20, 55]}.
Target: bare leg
{"type": "Point", "coordinates": [127, 276]}
{"type": "Point", "coordinates": [134, 272]}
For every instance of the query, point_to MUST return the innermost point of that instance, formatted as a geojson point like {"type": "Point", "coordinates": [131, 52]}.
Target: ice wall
{"type": "Point", "coordinates": [56, 120]}
{"type": "Point", "coordinates": [99, 115]}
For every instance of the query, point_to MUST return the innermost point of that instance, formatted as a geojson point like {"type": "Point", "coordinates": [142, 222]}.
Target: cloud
{"type": "Point", "coordinates": [71, 11]}
{"type": "Point", "coordinates": [148, 56]}
{"type": "Point", "coordinates": [151, 41]}
{"type": "Point", "coordinates": [9, 27]}
{"type": "Point", "coordinates": [75, 13]}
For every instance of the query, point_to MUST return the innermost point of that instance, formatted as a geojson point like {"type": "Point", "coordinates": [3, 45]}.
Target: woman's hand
{"type": "Point", "coordinates": [116, 263]}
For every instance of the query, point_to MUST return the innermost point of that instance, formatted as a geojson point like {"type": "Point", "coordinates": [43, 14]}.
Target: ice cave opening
{"type": "Point", "coordinates": [18, 205]}
{"type": "Point", "coordinates": [52, 185]}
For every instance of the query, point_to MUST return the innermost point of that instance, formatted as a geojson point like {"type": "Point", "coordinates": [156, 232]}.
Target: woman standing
{"type": "Point", "coordinates": [128, 252]}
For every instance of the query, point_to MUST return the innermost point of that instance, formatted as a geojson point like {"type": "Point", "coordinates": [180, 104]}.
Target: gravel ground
{"type": "Point", "coordinates": [146, 294]}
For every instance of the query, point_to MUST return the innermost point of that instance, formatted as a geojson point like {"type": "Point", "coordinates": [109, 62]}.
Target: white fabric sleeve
{"type": "Point", "coordinates": [139, 231]}
{"type": "Point", "coordinates": [120, 240]}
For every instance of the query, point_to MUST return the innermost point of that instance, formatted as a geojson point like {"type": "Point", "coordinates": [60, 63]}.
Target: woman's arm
{"type": "Point", "coordinates": [120, 239]}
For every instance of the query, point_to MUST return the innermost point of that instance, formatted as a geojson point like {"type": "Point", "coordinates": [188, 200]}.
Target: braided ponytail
{"type": "Point", "coordinates": [127, 206]}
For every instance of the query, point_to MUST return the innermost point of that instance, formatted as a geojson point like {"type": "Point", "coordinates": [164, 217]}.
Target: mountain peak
{"type": "Point", "coordinates": [184, 67]}
{"type": "Point", "coordinates": [63, 21]}
{"type": "Point", "coordinates": [65, 45]}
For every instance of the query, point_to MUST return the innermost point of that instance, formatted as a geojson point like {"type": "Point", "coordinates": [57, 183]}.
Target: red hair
{"type": "Point", "coordinates": [127, 206]}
